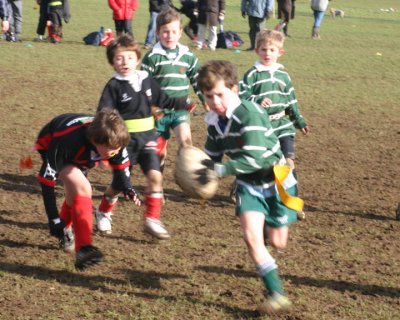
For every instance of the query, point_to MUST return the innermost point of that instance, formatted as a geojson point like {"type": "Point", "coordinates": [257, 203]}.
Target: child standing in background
{"type": "Point", "coordinates": [267, 84]}
{"type": "Point", "coordinates": [174, 68]}
{"type": "Point", "coordinates": [123, 11]}
{"type": "Point", "coordinates": [57, 11]}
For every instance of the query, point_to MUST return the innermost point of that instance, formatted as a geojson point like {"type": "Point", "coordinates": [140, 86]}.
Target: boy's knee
{"type": "Point", "coordinates": [155, 178]}
{"type": "Point", "coordinates": [290, 163]}
{"type": "Point", "coordinates": [279, 244]}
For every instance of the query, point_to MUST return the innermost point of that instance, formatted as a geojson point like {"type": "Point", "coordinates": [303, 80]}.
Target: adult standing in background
{"type": "Point", "coordinates": [155, 7]}
{"type": "Point", "coordinates": [257, 11]}
{"type": "Point", "coordinates": [15, 21]}
{"type": "Point", "coordinates": [319, 7]}
{"type": "Point", "coordinates": [41, 27]}
{"type": "Point", "coordinates": [4, 15]}
{"type": "Point", "coordinates": [285, 14]}
{"type": "Point", "coordinates": [209, 13]}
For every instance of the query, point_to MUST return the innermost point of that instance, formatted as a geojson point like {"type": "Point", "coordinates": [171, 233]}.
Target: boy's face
{"type": "Point", "coordinates": [125, 62]}
{"type": "Point", "coordinates": [106, 152]}
{"type": "Point", "coordinates": [220, 97]}
{"type": "Point", "coordinates": [269, 54]}
{"type": "Point", "coordinates": [169, 34]}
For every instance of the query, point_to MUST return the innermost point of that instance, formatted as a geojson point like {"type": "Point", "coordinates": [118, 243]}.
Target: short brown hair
{"type": "Point", "coordinates": [215, 70]}
{"type": "Point", "coordinates": [121, 44]}
{"type": "Point", "coordinates": [167, 16]}
{"type": "Point", "coordinates": [108, 129]}
{"type": "Point", "coordinates": [267, 36]}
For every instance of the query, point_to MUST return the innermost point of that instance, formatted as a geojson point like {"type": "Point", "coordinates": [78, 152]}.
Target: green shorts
{"type": "Point", "coordinates": [169, 121]}
{"type": "Point", "coordinates": [276, 213]}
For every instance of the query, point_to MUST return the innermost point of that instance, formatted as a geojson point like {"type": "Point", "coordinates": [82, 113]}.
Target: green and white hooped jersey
{"type": "Point", "coordinates": [174, 70]}
{"type": "Point", "coordinates": [261, 82]}
{"type": "Point", "coordinates": [248, 139]}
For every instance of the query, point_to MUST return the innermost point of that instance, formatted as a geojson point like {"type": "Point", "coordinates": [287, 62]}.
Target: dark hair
{"type": "Point", "coordinates": [167, 16]}
{"type": "Point", "coordinates": [108, 129]}
{"type": "Point", "coordinates": [215, 70]}
{"type": "Point", "coordinates": [121, 44]}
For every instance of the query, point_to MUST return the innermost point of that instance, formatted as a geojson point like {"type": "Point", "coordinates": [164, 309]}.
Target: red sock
{"type": "Point", "coordinates": [65, 214]}
{"type": "Point", "coordinates": [107, 204]}
{"type": "Point", "coordinates": [82, 218]}
{"type": "Point", "coordinates": [154, 204]}
{"type": "Point", "coordinates": [49, 31]}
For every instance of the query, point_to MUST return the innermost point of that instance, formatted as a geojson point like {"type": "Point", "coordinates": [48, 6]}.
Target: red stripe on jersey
{"type": "Point", "coordinates": [66, 131]}
{"type": "Point", "coordinates": [121, 166]}
{"type": "Point", "coordinates": [78, 154]}
{"type": "Point", "coordinates": [47, 182]}
{"type": "Point", "coordinates": [43, 143]}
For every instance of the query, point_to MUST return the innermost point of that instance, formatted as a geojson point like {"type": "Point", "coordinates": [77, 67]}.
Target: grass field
{"type": "Point", "coordinates": [343, 261]}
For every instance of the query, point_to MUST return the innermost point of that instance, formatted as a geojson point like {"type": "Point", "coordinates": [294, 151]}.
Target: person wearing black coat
{"type": "Point", "coordinates": [155, 7]}
{"type": "Point", "coordinates": [209, 12]}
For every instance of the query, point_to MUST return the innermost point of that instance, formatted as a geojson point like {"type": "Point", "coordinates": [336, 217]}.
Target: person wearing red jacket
{"type": "Point", "coordinates": [123, 11]}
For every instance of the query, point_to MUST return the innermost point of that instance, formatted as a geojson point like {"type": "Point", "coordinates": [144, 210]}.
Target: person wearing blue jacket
{"type": "Point", "coordinates": [4, 15]}
{"type": "Point", "coordinates": [257, 11]}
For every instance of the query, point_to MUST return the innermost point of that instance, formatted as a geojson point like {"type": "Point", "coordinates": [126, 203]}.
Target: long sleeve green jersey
{"type": "Point", "coordinates": [261, 82]}
{"type": "Point", "coordinates": [174, 70]}
{"type": "Point", "coordinates": [247, 138]}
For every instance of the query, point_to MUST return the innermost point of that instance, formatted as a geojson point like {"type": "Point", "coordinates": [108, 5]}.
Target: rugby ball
{"type": "Point", "coordinates": [187, 166]}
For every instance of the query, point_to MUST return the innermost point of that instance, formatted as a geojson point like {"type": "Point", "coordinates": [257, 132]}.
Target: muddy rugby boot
{"type": "Point", "coordinates": [87, 256]}
{"type": "Point", "coordinates": [275, 304]}
{"type": "Point", "coordinates": [103, 221]}
{"type": "Point", "coordinates": [301, 215]}
{"type": "Point", "coordinates": [67, 242]}
{"type": "Point", "coordinates": [155, 228]}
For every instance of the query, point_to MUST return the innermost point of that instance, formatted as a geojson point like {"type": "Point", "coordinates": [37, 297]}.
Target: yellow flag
{"type": "Point", "coordinates": [295, 203]}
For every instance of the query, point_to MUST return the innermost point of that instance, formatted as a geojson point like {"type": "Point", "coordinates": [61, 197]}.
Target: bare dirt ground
{"type": "Point", "coordinates": [342, 262]}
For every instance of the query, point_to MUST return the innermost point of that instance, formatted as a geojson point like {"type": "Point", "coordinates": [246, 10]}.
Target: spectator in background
{"type": "Point", "coordinates": [57, 11]}
{"type": "Point", "coordinates": [209, 13]}
{"type": "Point", "coordinates": [41, 27]}
{"type": "Point", "coordinates": [286, 11]}
{"type": "Point", "coordinates": [188, 9]}
{"type": "Point", "coordinates": [318, 7]}
{"type": "Point", "coordinates": [257, 11]}
{"type": "Point", "coordinates": [15, 21]}
{"type": "Point", "coordinates": [4, 15]}
{"type": "Point", "coordinates": [123, 11]}
{"type": "Point", "coordinates": [155, 7]}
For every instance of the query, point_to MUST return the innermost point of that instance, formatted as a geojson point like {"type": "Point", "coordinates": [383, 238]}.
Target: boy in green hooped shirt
{"type": "Point", "coordinates": [267, 84]}
{"type": "Point", "coordinates": [241, 130]}
{"type": "Point", "coordinates": [174, 67]}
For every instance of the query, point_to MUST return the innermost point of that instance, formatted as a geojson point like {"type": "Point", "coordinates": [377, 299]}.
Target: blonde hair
{"type": "Point", "coordinates": [267, 36]}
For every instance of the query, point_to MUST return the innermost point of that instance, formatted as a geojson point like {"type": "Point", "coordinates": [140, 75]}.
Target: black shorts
{"type": "Point", "coordinates": [287, 146]}
{"type": "Point", "coordinates": [142, 150]}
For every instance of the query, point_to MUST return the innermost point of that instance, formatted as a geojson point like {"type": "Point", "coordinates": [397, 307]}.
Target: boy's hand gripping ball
{"type": "Point", "coordinates": [194, 177]}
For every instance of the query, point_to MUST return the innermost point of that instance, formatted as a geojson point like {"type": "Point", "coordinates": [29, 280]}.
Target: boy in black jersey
{"type": "Point", "coordinates": [69, 145]}
{"type": "Point", "coordinates": [133, 93]}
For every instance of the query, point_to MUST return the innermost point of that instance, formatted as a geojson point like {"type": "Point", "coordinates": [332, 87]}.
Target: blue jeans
{"type": "Point", "coordinates": [151, 29]}
{"type": "Point", "coordinates": [318, 17]}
